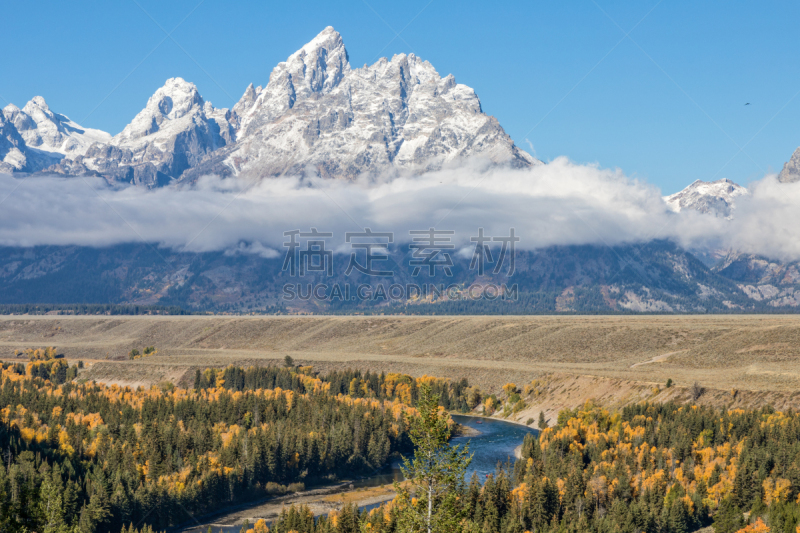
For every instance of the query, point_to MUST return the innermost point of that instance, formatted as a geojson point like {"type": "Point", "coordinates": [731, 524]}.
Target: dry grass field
{"type": "Point", "coordinates": [760, 354]}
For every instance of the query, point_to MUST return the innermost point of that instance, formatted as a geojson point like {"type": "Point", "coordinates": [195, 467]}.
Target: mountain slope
{"type": "Point", "coordinates": [48, 137]}
{"type": "Point", "coordinates": [716, 197]}
{"type": "Point", "coordinates": [776, 283]}
{"type": "Point", "coordinates": [12, 147]}
{"type": "Point", "coordinates": [317, 114]}
{"type": "Point", "coordinates": [653, 277]}
{"type": "Point", "coordinates": [791, 170]}
{"type": "Point", "coordinates": [171, 134]}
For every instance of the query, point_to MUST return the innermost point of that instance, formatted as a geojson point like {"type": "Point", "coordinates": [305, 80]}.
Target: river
{"type": "Point", "coordinates": [494, 445]}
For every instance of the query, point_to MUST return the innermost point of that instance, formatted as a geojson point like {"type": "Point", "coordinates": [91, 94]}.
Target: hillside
{"type": "Point", "coordinates": [652, 277]}
{"type": "Point", "coordinates": [748, 353]}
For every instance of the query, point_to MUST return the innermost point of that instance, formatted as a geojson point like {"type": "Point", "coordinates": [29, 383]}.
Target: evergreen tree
{"type": "Point", "coordinates": [729, 517]}
{"type": "Point", "coordinates": [433, 503]}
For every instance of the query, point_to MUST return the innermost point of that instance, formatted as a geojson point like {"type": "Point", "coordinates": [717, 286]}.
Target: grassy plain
{"type": "Point", "coordinates": [745, 352]}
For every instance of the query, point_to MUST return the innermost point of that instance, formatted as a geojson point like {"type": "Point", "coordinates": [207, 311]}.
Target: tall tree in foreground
{"type": "Point", "coordinates": [431, 501]}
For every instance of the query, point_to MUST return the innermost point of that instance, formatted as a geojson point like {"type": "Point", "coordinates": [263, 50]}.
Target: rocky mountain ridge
{"type": "Point", "coordinates": [791, 170]}
{"type": "Point", "coordinates": [717, 197]}
{"type": "Point", "coordinates": [316, 114]}
{"type": "Point", "coordinates": [41, 138]}
{"type": "Point", "coordinates": [655, 277]}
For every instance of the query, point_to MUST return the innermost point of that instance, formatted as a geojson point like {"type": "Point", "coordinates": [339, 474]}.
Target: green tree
{"type": "Point", "coordinates": [288, 361]}
{"type": "Point", "coordinates": [431, 502]}
{"type": "Point", "coordinates": [51, 505]}
{"type": "Point", "coordinates": [542, 421]}
{"type": "Point", "coordinates": [729, 517]}
{"type": "Point", "coordinates": [678, 517]}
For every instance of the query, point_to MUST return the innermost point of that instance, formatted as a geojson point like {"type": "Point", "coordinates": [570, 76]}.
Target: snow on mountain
{"type": "Point", "coordinates": [171, 134]}
{"type": "Point", "coordinates": [12, 147]}
{"type": "Point", "coordinates": [175, 109]}
{"type": "Point", "coordinates": [47, 137]}
{"type": "Point", "coordinates": [47, 131]}
{"type": "Point", "coordinates": [716, 197]}
{"type": "Point", "coordinates": [316, 113]}
{"type": "Point", "coordinates": [791, 170]}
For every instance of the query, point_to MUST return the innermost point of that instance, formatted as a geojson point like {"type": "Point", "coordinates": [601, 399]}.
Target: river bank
{"type": "Point", "coordinates": [491, 441]}
{"type": "Point", "coordinates": [320, 501]}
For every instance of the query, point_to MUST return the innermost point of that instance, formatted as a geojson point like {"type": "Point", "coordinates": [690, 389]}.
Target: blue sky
{"type": "Point", "coordinates": [665, 104]}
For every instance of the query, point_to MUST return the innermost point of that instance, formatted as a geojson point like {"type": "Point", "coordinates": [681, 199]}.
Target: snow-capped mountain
{"type": "Point", "coordinates": [791, 170]}
{"type": "Point", "coordinates": [715, 197]}
{"type": "Point", "coordinates": [12, 147]}
{"type": "Point", "coordinates": [51, 132]}
{"type": "Point", "coordinates": [318, 114]}
{"type": "Point", "coordinates": [48, 137]}
{"type": "Point", "coordinates": [170, 135]}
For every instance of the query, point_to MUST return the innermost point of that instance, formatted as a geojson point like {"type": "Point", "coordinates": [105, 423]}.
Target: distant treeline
{"type": "Point", "coordinates": [85, 457]}
{"type": "Point", "coordinates": [453, 395]}
{"type": "Point", "coordinates": [90, 309]}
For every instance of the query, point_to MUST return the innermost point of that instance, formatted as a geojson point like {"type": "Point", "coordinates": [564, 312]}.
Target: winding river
{"type": "Point", "coordinates": [495, 444]}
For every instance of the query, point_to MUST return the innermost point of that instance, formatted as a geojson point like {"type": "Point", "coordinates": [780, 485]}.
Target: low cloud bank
{"type": "Point", "coordinates": [560, 203]}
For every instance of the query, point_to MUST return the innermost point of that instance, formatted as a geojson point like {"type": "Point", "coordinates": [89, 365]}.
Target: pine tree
{"type": "Point", "coordinates": [542, 421]}
{"type": "Point", "coordinates": [729, 517]}
{"type": "Point", "coordinates": [51, 504]}
{"type": "Point", "coordinates": [433, 502]}
{"type": "Point", "coordinates": [678, 518]}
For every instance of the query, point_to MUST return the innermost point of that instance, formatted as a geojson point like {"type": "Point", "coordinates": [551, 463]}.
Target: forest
{"type": "Point", "coordinates": [650, 467]}
{"type": "Point", "coordinates": [89, 457]}
{"type": "Point", "coordinates": [80, 456]}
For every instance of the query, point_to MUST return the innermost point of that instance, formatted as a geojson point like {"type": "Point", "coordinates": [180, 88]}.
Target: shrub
{"type": "Point", "coordinates": [542, 421]}
{"type": "Point", "coordinates": [274, 488]}
{"type": "Point", "coordinates": [696, 391]}
{"type": "Point", "coordinates": [489, 406]}
{"type": "Point", "coordinates": [473, 397]}
{"type": "Point", "coordinates": [669, 383]}
{"type": "Point", "coordinates": [296, 487]}
{"type": "Point", "coordinates": [529, 421]}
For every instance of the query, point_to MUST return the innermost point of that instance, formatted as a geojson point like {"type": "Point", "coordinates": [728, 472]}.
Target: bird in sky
{"type": "Point", "coordinates": [748, 103]}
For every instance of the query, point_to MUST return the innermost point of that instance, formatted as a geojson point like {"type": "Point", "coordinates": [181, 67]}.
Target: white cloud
{"type": "Point", "coordinates": [560, 203]}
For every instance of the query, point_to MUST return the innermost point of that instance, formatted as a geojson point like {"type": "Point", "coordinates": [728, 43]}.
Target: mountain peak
{"type": "Point", "coordinates": [713, 197]}
{"type": "Point", "coordinates": [791, 170]}
{"type": "Point", "coordinates": [37, 101]}
{"type": "Point", "coordinates": [327, 39]}
{"type": "Point", "coordinates": [176, 99]}
{"type": "Point", "coordinates": [319, 65]}
{"type": "Point", "coordinates": [246, 101]}
{"type": "Point", "coordinates": [317, 68]}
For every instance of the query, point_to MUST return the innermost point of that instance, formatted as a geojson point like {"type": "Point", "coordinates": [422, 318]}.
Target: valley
{"type": "Point", "coordinates": [758, 355]}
